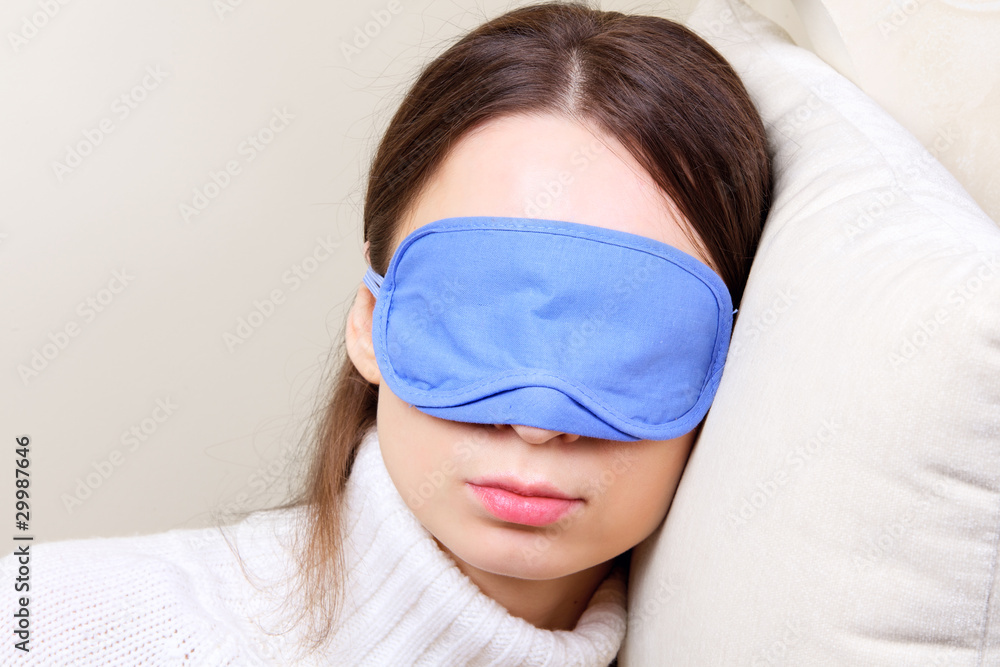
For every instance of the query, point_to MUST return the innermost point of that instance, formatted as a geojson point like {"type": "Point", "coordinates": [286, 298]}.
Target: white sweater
{"type": "Point", "coordinates": [180, 597]}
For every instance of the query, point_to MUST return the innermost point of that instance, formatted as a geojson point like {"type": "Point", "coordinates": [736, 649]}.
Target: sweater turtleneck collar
{"type": "Point", "coordinates": [406, 602]}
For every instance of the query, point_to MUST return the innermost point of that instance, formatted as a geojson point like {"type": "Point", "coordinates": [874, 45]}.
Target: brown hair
{"type": "Point", "coordinates": [652, 84]}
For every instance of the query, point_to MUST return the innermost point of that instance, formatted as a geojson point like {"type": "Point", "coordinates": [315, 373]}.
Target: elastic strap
{"type": "Point", "coordinates": [373, 281]}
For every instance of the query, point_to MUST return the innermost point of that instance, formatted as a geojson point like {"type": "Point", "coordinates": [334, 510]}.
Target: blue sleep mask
{"type": "Point", "coordinates": [557, 325]}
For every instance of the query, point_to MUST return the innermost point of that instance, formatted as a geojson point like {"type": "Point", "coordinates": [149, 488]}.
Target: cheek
{"type": "Point", "coordinates": [406, 444]}
{"type": "Point", "coordinates": [636, 490]}
{"type": "Point", "coordinates": [426, 457]}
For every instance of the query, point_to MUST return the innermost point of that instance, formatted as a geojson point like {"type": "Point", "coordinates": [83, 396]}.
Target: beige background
{"type": "Point", "coordinates": [228, 70]}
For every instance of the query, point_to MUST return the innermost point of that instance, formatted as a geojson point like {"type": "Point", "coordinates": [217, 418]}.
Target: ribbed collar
{"type": "Point", "coordinates": [407, 602]}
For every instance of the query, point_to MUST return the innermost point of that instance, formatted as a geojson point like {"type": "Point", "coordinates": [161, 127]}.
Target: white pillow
{"type": "Point", "coordinates": [842, 505]}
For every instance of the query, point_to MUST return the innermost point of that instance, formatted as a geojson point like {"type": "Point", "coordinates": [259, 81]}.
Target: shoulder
{"type": "Point", "coordinates": [158, 599]}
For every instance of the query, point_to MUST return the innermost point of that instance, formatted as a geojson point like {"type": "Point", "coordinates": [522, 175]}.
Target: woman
{"type": "Point", "coordinates": [563, 210]}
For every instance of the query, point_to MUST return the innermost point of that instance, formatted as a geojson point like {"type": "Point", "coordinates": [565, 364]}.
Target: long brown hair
{"type": "Point", "coordinates": [652, 84]}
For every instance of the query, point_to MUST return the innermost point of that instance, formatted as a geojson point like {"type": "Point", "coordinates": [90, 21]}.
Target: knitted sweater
{"type": "Point", "coordinates": [182, 598]}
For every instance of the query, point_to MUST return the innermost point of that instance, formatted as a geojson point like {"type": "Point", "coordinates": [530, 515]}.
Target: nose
{"type": "Point", "coordinates": [537, 436]}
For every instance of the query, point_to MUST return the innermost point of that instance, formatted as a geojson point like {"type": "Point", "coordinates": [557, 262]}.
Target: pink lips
{"type": "Point", "coordinates": [529, 505]}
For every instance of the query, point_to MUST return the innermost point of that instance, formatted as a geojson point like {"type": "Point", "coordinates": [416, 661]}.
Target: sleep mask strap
{"type": "Point", "coordinates": [373, 281]}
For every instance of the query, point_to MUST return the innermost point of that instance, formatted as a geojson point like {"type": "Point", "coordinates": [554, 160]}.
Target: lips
{"type": "Point", "coordinates": [525, 504]}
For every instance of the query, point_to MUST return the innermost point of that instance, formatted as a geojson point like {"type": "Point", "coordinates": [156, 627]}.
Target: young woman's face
{"type": "Point", "coordinates": [538, 167]}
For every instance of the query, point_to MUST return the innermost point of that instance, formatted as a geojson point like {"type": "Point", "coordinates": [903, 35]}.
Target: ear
{"type": "Point", "coordinates": [359, 335]}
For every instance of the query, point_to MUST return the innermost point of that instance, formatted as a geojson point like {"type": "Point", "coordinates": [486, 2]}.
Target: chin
{"type": "Point", "coordinates": [518, 557]}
